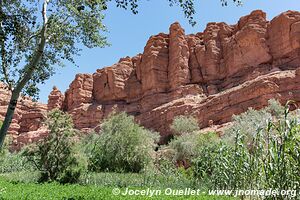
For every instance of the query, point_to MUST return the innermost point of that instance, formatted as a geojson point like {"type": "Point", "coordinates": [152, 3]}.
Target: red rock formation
{"type": "Point", "coordinates": [80, 91]}
{"type": "Point", "coordinates": [109, 83]}
{"type": "Point", "coordinates": [55, 99]}
{"type": "Point", "coordinates": [26, 125]}
{"type": "Point", "coordinates": [211, 75]}
{"type": "Point", "coordinates": [284, 39]}
{"type": "Point", "coordinates": [153, 68]}
{"type": "Point", "coordinates": [178, 69]}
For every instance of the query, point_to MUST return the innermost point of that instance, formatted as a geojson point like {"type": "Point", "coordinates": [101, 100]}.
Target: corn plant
{"type": "Point", "coordinates": [269, 158]}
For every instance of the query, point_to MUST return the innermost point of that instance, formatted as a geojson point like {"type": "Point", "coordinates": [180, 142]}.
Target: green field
{"type": "Point", "coordinates": [32, 191]}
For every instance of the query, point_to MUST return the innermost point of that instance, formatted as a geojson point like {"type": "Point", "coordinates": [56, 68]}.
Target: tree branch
{"type": "Point", "coordinates": [3, 58]}
{"type": "Point", "coordinates": [32, 36]}
{"type": "Point", "coordinates": [29, 69]}
{"type": "Point", "coordinates": [3, 50]}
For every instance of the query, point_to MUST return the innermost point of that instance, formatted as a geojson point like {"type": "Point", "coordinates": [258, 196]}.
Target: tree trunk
{"type": "Point", "coordinates": [29, 70]}
{"type": "Point", "coordinates": [9, 115]}
{"type": "Point", "coordinates": [17, 91]}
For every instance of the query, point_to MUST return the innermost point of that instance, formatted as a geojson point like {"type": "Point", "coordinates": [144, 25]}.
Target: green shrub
{"type": "Point", "coordinates": [189, 145]}
{"type": "Point", "coordinates": [122, 146]}
{"type": "Point", "coordinates": [184, 147]}
{"type": "Point", "coordinates": [184, 125]}
{"type": "Point", "coordinates": [23, 176]}
{"type": "Point", "coordinates": [12, 161]}
{"type": "Point", "coordinates": [55, 155]}
{"type": "Point", "coordinates": [164, 161]}
{"type": "Point", "coordinates": [4, 151]}
{"type": "Point", "coordinates": [249, 122]}
{"type": "Point", "coordinates": [87, 143]}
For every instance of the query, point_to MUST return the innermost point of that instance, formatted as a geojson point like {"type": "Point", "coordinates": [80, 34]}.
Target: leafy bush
{"type": "Point", "coordinates": [23, 176]}
{"type": "Point", "coordinates": [55, 155]}
{"type": "Point", "coordinates": [249, 122]}
{"type": "Point", "coordinates": [14, 162]}
{"type": "Point", "coordinates": [86, 144]}
{"type": "Point", "coordinates": [264, 156]}
{"type": "Point", "coordinates": [184, 125]}
{"type": "Point", "coordinates": [183, 143]}
{"type": "Point", "coordinates": [184, 147]}
{"type": "Point", "coordinates": [122, 146]}
{"type": "Point", "coordinates": [189, 145]}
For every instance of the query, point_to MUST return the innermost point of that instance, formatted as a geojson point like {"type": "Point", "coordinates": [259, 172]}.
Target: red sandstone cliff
{"type": "Point", "coordinates": [27, 124]}
{"type": "Point", "coordinates": [211, 75]}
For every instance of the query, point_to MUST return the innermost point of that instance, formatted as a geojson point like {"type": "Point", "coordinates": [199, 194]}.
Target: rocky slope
{"type": "Point", "coordinates": [211, 75]}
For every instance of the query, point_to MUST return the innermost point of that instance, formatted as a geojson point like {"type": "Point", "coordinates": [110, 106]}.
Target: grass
{"type": "Point", "coordinates": [22, 185]}
{"type": "Point", "coordinates": [110, 179]}
{"type": "Point", "coordinates": [121, 180]}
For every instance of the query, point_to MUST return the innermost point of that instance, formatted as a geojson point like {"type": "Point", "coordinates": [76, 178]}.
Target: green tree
{"type": "Point", "coordinates": [40, 34]}
{"type": "Point", "coordinates": [55, 156]}
{"type": "Point", "coordinates": [37, 35]}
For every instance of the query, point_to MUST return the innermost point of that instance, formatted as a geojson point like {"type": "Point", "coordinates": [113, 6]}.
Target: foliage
{"type": "Point", "coordinates": [188, 146]}
{"type": "Point", "coordinates": [187, 6]}
{"type": "Point", "coordinates": [14, 162]}
{"type": "Point", "coordinates": [123, 146]}
{"type": "Point", "coordinates": [252, 120]}
{"type": "Point", "coordinates": [11, 162]}
{"type": "Point", "coordinates": [65, 23]}
{"type": "Point", "coordinates": [165, 172]}
{"type": "Point", "coordinates": [21, 176]}
{"type": "Point", "coordinates": [86, 144]}
{"type": "Point", "coordinates": [35, 36]}
{"type": "Point", "coordinates": [269, 158]}
{"type": "Point", "coordinates": [149, 178]}
{"type": "Point", "coordinates": [54, 156]}
{"type": "Point", "coordinates": [184, 125]}
{"type": "Point", "coordinates": [184, 147]}
{"type": "Point", "coordinates": [164, 160]}
{"type": "Point", "coordinates": [238, 2]}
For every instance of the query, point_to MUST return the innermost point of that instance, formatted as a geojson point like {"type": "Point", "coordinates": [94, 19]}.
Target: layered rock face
{"type": "Point", "coordinates": [27, 124]}
{"type": "Point", "coordinates": [210, 75]}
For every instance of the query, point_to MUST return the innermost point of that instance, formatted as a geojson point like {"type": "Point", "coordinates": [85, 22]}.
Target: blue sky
{"type": "Point", "coordinates": [129, 33]}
